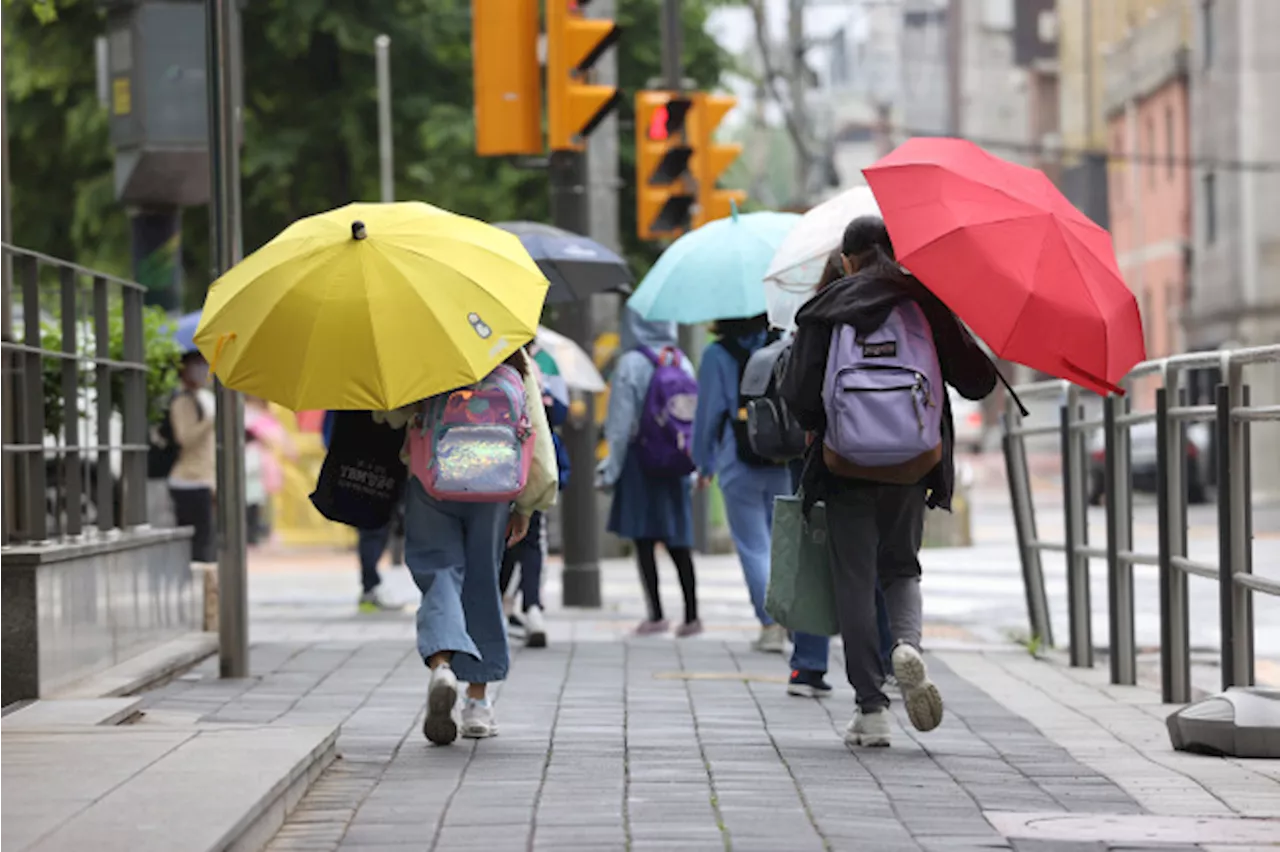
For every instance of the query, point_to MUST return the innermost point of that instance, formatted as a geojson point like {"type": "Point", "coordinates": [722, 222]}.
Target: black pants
{"type": "Point", "coordinates": [193, 507]}
{"type": "Point", "coordinates": [527, 553]}
{"type": "Point", "coordinates": [683, 557]}
{"type": "Point", "coordinates": [874, 534]}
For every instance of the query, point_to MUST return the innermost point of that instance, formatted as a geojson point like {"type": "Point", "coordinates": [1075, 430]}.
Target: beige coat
{"type": "Point", "coordinates": [193, 431]}
{"type": "Point", "coordinates": [540, 490]}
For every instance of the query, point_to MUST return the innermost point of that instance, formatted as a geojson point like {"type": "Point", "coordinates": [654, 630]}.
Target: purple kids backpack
{"type": "Point", "coordinates": [665, 439]}
{"type": "Point", "coordinates": [883, 396]}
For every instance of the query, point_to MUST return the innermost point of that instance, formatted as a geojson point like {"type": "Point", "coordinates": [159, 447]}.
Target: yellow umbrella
{"type": "Point", "coordinates": [371, 306]}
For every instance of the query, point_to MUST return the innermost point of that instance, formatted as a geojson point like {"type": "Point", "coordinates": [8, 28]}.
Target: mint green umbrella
{"type": "Point", "coordinates": [715, 272]}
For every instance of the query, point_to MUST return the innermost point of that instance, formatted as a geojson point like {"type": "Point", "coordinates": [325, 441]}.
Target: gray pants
{"type": "Point", "coordinates": [874, 534]}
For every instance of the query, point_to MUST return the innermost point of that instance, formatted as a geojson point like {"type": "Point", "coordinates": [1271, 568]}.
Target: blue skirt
{"type": "Point", "coordinates": [657, 507]}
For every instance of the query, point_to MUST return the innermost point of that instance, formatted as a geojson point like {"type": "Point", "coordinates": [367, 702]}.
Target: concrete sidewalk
{"type": "Point", "coordinates": [609, 742]}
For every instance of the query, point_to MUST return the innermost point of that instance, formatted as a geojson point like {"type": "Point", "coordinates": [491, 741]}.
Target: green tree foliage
{"type": "Point", "coordinates": [310, 127]}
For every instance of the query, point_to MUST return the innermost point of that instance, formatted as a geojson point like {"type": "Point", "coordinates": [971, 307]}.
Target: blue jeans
{"type": "Point", "coordinates": [748, 506]}
{"type": "Point", "coordinates": [453, 551]}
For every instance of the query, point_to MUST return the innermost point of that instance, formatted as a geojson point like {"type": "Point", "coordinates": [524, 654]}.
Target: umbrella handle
{"type": "Point", "coordinates": [223, 340]}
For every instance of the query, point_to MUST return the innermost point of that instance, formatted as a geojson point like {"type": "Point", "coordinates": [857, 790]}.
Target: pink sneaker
{"type": "Point", "coordinates": [649, 628]}
{"type": "Point", "coordinates": [689, 628]}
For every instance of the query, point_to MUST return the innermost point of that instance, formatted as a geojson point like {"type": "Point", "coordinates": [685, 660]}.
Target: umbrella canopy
{"type": "Point", "coordinates": [371, 306]}
{"type": "Point", "coordinates": [572, 362]}
{"type": "Point", "coordinates": [796, 267]}
{"type": "Point", "coordinates": [715, 272]}
{"type": "Point", "coordinates": [184, 332]}
{"type": "Point", "coordinates": [1027, 271]}
{"type": "Point", "coordinates": [575, 265]}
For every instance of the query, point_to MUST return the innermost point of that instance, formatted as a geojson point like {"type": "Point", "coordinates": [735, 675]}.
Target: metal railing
{"type": "Point", "coordinates": [85, 474]}
{"type": "Point", "coordinates": [1230, 417]}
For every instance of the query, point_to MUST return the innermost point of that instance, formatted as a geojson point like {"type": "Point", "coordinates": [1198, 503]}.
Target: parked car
{"type": "Point", "coordinates": [1142, 460]}
{"type": "Point", "coordinates": [970, 423]}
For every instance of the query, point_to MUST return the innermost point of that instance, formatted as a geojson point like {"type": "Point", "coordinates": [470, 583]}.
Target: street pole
{"type": "Point", "coordinates": [581, 577]}
{"type": "Point", "coordinates": [224, 173]}
{"type": "Point", "coordinates": [382, 54]}
{"type": "Point", "coordinates": [690, 336]}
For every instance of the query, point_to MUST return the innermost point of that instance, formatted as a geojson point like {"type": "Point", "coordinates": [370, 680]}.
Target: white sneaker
{"type": "Point", "coordinates": [869, 729]}
{"type": "Point", "coordinates": [772, 640]}
{"type": "Point", "coordinates": [923, 701]}
{"type": "Point", "coordinates": [441, 723]}
{"type": "Point", "coordinates": [535, 628]}
{"type": "Point", "coordinates": [477, 719]}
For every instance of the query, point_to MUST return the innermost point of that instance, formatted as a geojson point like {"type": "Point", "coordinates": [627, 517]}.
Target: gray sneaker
{"type": "Point", "coordinates": [869, 729]}
{"type": "Point", "coordinates": [772, 639]}
{"type": "Point", "coordinates": [441, 723]}
{"type": "Point", "coordinates": [921, 697]}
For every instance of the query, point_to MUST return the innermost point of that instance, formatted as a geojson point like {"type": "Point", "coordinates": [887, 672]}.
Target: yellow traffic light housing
{"type": "Point", "coordinates": [664, 194]}
{"type": "Point", "coordinates": [574, 43]}
{"type": "Point", "coordinates": [710, 160]}
{"type": "Point", "coordinates": [506, 77]}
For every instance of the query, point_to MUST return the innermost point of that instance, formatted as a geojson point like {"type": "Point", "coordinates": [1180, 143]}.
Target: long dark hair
{"type": "Point", "coordinates": [833, 271]}
{"type": "Point", "coordinates": [740, 327]}
{"type": "Point", "coordinates": [866, 245]}
{"type": "Point", "coordinates": [519, 361]}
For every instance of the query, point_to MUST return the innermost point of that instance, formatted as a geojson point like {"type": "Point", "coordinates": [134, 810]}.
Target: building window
{"type": "Point", "coordinates": [1170, 143]}
{"type": "Point", "coordinates": [1206, 32]}
{"type": "Point", "coordinates": [1210, 208]}
{"type": "Point", "coordinates": [1150, 161]}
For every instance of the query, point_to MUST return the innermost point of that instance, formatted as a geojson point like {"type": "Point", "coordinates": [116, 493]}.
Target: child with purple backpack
{"type": "Point", "coordinates": [866, 377]}
{"type": "Point", "coordinates": [649, 432]}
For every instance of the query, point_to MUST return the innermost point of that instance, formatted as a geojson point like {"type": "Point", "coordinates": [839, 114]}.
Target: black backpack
{"type": "Point", "coordinates": [164, 450]}
{"type": "Point", "coordinates": [772, 429]}
{"type": "Point", "coordinates": [739, 420]}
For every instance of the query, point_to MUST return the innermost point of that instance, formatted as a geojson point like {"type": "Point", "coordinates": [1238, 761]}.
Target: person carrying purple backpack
{"type": "Point", "coordinates": [649, 432]}
{"type": "Point", "coordinates": [866, 377]}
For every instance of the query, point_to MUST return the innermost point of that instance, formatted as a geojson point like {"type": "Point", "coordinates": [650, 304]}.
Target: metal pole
{"type": "Point", "coordinates": [8, 426]}
{"type": "Point", "coordinates": [1238, 529]}
{"type": "Point", "coordinates": [224, 172]}
{"type": "Point", "coordinates": [1024, 525]}
{"type": "Point", "coordinates": [1175, 663]}
{"type": "Point", "coordinates": [581, 577]}
{"type": "Point", "coordinates": [1119, 571]}
{"type": "Point", "coordinates": [1079, 616]}
{"type": "Point", "coordinates": [1226, 577]}
{"type": "Point", "coordinates": [382, 54]}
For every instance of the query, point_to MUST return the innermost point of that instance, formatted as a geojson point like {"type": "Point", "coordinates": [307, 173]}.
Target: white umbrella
{"type": "Point", "coordinates": [571, 360]}
{"type": "Point", "coordinates": [797, 265]}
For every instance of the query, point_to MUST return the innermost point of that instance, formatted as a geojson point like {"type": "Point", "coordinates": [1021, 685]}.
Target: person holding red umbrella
{"type": "Point", "coordinates": [865, 377]}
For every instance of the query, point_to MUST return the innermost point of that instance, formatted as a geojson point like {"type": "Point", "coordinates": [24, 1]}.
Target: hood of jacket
{"type": "Point", "coordinates": [637, 332]}
{"type": "Point", "coordinates": [862, 300]}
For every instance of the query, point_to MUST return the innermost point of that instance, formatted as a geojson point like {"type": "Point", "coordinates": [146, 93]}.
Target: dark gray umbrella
{"type": "Point", "coordinates": [576, 266]}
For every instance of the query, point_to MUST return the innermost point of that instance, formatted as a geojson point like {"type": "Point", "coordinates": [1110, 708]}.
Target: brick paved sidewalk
{"type": "Point", "coordinates": [661, 745]}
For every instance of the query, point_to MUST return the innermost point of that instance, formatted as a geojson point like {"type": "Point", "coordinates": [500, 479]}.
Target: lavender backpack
{"type": "Point", "coordinates": [664, 442]}
{"type": "Point", "coordinates": [883, 396]}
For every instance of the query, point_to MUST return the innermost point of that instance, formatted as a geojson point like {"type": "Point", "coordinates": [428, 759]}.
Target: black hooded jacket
{"type": "Point", "coordinates": [864, 300]}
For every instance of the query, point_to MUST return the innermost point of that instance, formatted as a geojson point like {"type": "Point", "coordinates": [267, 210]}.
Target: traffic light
{"type": "Point", "coordinates": [664, 194]}
{"type": "Point", "coordinates": [710, 159]}
{"type": "Point", "coordinates": [507, 77]}
{"type": "Point", "coordinates": [574, 43]}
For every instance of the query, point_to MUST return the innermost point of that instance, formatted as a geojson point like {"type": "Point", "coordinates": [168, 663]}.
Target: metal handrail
{"type": "Point", "coordinates": [85, 300]}
{"type": "Point", "coordinates": [1231, 414]}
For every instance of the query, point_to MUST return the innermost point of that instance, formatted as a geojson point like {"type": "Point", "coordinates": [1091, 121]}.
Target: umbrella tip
{"type": "Point", "coordinates": [733, 209]}
{"type": "Point", "coordinates": [357, 230]}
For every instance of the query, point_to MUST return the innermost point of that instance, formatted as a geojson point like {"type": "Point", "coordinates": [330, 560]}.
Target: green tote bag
{"type": "Point", "coordinates": [801, 595]}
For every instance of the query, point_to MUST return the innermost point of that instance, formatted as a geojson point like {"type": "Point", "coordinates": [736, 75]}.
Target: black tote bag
{"type": "Point", "coordinates": [362, 479]}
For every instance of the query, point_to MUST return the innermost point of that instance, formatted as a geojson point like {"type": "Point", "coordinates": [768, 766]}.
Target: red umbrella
{"type": "Point", "coordinates": [1028, 272]}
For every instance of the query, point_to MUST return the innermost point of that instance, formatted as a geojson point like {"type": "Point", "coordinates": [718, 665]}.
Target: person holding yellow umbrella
{"type": "Point", "coordinates": [421, 315]}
